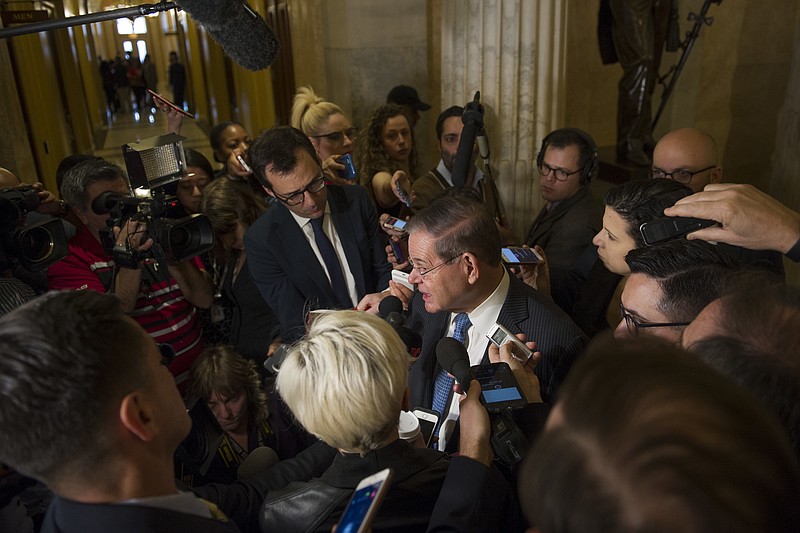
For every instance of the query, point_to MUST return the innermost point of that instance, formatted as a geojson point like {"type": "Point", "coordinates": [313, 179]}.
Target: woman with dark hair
{"type": "Point", "coordinates": [230, 140]}
{"type": "Point", "coordinates": [190, 188]}
{"type": "Point", "coordinates": [628, 206]}
{"type": "Point", "coordinates": [246, 418]}
{"type": "Point", "coordinates": [387, 158]}
{"type": "Point", "coordinates": [232, 208]}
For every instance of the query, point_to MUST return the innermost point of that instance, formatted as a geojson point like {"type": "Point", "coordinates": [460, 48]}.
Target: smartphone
{"type": "Point", "coordinates": [395, 224]}
{"type": "Point", "coordinates": [349, 172]}
{"type": "Point", "coordinates": [520, 256]}
{"type": "Point", "coordinates": [397, 251]}
{"type": "Point", "coordinates": [173, 106]}
{"type": "Point", "coordinates": [398, 276]}
{"type": "Point", "coordinates": [499, 335]}
{"type": "Point", "coordinates": [499, 387]}
{"type": "Point", "coordinates": [244, 164]}
{"type": "Point", "coordinates": [364, 504]}
{"type": "Point", "coordinates": [427, 423]}
{"type": "Point", "coordinates": [403, 194]}
{"type": "Point", "coordinates": [662, 229]}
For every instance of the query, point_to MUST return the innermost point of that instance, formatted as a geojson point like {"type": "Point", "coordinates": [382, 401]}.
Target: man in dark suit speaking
{"type": "Point", "coordinates": [462, 291]}
{"type": "Point", "coordinates": [319, 247]}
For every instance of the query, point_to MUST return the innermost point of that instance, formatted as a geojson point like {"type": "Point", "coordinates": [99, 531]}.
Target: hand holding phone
{"type": "Point", "coordinates": [395, 224]}
{"type": "Point", "coordinates": [516, 255]}
{"type": "Point", "coordinates": [363, 506]}
{"type": "Point", "coordinates": [163, 100]}
{"type": "Point", "coordinates": [499, 387]}
{"type": "Point", "coordinates": [665, 228]}
{"type": "Point", "coordinates": [499, 335]}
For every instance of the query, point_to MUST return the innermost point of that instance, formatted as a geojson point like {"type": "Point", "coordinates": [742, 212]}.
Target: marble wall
{"type": "Point", "coordinates": [513, 52]}
{"type": "Point", "coordinates": [360, 50]}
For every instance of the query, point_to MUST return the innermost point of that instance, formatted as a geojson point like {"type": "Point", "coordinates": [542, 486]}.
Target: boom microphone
{"type": "Point", "coordinates": [472, 117]}
{"type": "Point", "coordinates": [452, 356]}
{"type": "Point", "coordinates": [239, 30]}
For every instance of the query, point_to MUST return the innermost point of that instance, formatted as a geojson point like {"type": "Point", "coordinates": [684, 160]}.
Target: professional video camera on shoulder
{"type": "Point", "coordinates": [34, 246]}
{"type": "Point", "coordinates": [153, 164]}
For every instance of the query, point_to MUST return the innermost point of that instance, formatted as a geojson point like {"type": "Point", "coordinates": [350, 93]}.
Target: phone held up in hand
{"type": "Point", "coordinates": [363, 506]}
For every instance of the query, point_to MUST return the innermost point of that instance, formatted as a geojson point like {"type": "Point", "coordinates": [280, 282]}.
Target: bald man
{"type": "Point", "coordinates": [689, 156]}
{"type": "Point", "coordinates": [8, 179]}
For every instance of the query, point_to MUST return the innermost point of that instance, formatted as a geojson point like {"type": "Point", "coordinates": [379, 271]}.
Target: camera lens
{"type": "Point", "coordinates": [36, 244]}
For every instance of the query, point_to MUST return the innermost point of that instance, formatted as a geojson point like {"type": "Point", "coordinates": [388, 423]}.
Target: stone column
{"type": "Point", "coordinates": [513, 51]}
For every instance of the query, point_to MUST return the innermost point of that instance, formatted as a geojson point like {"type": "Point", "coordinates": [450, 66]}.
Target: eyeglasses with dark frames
{"type": "Point", "coordinates": [316, 185]}
{"type": "Point", "coordinates": [635, 325]}
{"type": "Point", "coordinates": [338, 136]}
{"type": "Point", "coordinates": [425, 273]}
{"type": "Point", "coordinates": [560, 174]}
{"type": "Point", "coordinates": [681, 175]}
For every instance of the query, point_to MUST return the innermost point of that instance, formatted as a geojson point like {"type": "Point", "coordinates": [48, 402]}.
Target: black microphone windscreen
{"type": "Point", "coordinates": [390, 304]}
{"type": "Point", "coordinates": [257, 461]}
{"type": "Point", "coordinates": [241, 32]}
{"type": "Point", "coordinates": [452, 356]}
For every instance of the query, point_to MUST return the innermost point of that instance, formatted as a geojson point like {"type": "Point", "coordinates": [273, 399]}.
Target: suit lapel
{"type": "Point", "coordinates": [299, 253]}
{"type": "Point", "coordinates": [513, 313]}
{"type": "Point", "coordinates": [434, 327]}
{"type": "Point", "coordinates": [343, 220]}
{"type": "Point", "coordinates": [540, 227]}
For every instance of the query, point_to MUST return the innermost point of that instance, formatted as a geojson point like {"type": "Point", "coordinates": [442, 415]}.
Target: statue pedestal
{"type": "Point", "coordinates": [614, 171]}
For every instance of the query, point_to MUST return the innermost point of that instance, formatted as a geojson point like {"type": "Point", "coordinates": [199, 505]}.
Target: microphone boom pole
{"type": "Point", "coordinates": [57, 24]}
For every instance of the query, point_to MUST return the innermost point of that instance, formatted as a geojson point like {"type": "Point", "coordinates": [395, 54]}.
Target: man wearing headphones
{"type": "Point", "coordinates": [571, 217]}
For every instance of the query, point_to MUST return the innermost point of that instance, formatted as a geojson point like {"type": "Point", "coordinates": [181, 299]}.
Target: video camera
{"type": "Point", "coordinates": [34, 246]}
{"type": "Point", "coordinates": [153, 164]}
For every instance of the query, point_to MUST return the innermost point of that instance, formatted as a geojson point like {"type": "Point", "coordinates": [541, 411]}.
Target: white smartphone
{"type": "Point", "coordinates": [499, 335]}
{"type": "Point", "coordinates": [244, 164]}
{"type": "Point", "coordinates": [395, 224]}
{"type": "Point", "coordinates": [427, 423]}
{"type": "Point", "coordinates": [364, 504]}
{"type": "Point", "coordinates": [398, 276]}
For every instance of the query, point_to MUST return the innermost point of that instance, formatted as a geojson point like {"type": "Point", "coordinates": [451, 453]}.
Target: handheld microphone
{"type": "Point", "coordinates": [472, 117]}
{"type": "Point", "coordinates": [391, 310]}
{"type": "Point", "coordinates": [260, 459]}
{"type": "Point", "coordinates": [237, 28]}
{"type": "Point", "coordinates": [390, 304]}
{"type": "Point", "coordinates": [452, 356]}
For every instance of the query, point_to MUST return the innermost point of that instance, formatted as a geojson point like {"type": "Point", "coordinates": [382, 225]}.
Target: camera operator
{"type": "Point", "coordinates": [25, 281]}
{"type": "Point", "coordinates": [163, 303]}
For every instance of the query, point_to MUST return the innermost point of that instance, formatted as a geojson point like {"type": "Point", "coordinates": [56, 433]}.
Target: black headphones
{"type": "Point", "coordinates": [568, 137]}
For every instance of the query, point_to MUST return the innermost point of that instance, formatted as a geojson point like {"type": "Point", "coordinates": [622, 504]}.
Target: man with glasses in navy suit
{"type": "Point", "coordinates": [320, 246]}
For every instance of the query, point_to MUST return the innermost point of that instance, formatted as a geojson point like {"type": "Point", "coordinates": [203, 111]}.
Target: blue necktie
{"type": "Point", "coordinates": [331, 260]}
{"type": "Point", "coordinates": [443, 385]}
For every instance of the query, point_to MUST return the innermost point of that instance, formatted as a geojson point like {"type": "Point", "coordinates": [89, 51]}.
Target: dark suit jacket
{"type": "Point", "coordinates": [288, 274]}
{"type": "Point", "coordinates": [65, 516]}
{"type": "Point", "coordinates": [566, 236]}
{"type": "Point", "coordinates": [524, 311]}
{"type": "Point", "coordinates": [418, 475]}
